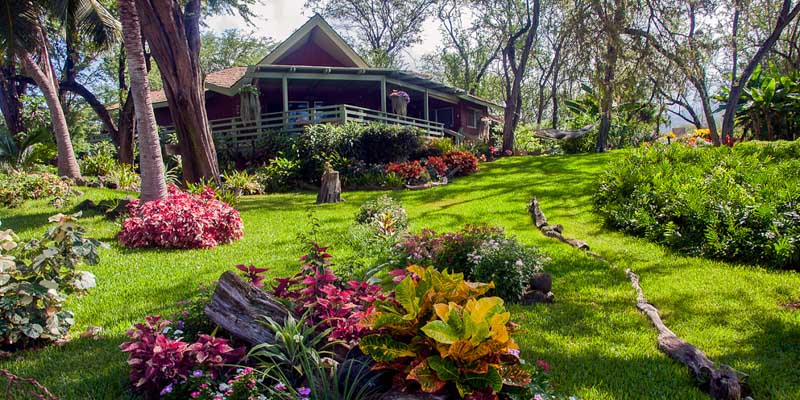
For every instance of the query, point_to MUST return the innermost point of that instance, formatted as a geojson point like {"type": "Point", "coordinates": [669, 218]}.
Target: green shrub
{"type": "Point", "coordinates": [241, 183]}
{"type": "Point", "coordinates": [506, 263]}
{"type": "Point", "coordinates": [279, 175]}
{"type": "Point", "coordinates": [36, 279]}
{"type": "Point", "coordinates": [100, 160]}
{"type": "Point", "coordinates": [443, 145]}
{"type": "Point", "coordinates": [125, 176]}
{"type": "Point", "coordinates": [376, 211]}
{"type": "Point", "coordinates": [372, 143]}
{"type": "Point", "coordinates": [740, 203]}
{"type": "Point", "coordinates": [16, 187]}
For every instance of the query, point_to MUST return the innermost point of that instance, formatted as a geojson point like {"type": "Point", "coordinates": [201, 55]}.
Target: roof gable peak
{"type": "Point", "coordinates": [315, 32]}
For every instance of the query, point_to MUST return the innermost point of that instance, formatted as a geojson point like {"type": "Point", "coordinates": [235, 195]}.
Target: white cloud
{"type": "Point", "coordinates": [279, 18]}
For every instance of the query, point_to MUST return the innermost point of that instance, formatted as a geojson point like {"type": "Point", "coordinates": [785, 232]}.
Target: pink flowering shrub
{"type": "Point", "coordinates": [159, 361]}
{"type": "Point", "coordinates": [181, 220]}
{"type": "Point", "coordinates": [332, 303]}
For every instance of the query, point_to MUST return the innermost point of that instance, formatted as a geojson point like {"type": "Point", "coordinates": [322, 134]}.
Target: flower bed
{"type": "Point", "coordinates": [181, 220]}
{"type": "Point", "coordinates": [16, 187]}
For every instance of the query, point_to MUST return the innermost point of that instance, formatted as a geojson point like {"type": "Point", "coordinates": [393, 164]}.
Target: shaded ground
{"type": "Point", "coordinates": [598, 344]}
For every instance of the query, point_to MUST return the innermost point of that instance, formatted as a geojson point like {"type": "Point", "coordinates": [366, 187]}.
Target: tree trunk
{"type": "Point", "coordinates": [10, 104]}
{"type": "Point", "coordinates": [151, 166]}
{"type": "Point", "coordinates": [67, 163]}
{"type": "Point", "coordinates": [127, 128]}
{"type": "Point", "coordinates": [330, 190]}
{"type": "Point", "coordinates": [174, 39]}
{"type": "Point", "coordinates": [784, 18]}
{"type": "Point", "coordinates": [607, 96]}
{"type": "Point", "coordinates": [98, 107]}
{"type": "Point", "coordinates": [700, 86]}
{"type": "Point", "coordinates": [240, 308]}
{"type": "Point", "coordinates": [554, 88]}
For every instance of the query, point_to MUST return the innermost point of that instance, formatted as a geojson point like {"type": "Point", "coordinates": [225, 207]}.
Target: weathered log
{"type": "Point", "coordinates": [720, 383]}
{"type": "Point", "coordinates": [331, 189]}
{"type": "Point", "coordinates": [723, 383]}
{"type": "Point", "coordinates": [240, 308]}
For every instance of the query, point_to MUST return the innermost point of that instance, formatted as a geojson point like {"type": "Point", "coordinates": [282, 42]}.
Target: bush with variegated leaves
{"type": "Point", "coordinates": [441, 336]}
{"type": "Point", "coordinates": [36, 278]}
{"type": "Point", "coordinates": [181, 220]}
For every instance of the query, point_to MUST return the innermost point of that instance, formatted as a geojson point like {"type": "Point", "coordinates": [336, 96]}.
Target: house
{"type": "Point", "coordinates": [315, 77]}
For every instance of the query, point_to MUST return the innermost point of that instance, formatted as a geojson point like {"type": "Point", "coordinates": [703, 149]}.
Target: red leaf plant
{"type": "Point", "coordinates": [462, 162]}
{"type": "Point", "coordinates": [181, 220]}
{"type": "Point", "coordinates": [329, 301]}
{"type": "Point", "coordinates": [157, 360]}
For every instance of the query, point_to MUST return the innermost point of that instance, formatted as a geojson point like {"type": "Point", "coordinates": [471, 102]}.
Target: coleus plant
{"type": "Point", "coordinates": [330, 302]}
{"type": "Point", "coordinates": [438, 331]}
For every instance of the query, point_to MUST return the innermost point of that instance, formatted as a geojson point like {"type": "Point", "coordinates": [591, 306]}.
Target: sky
{"type": "Point", "coordinates": [279, 18]}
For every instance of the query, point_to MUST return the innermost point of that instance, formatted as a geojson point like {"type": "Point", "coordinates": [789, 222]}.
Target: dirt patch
{"type": "Point", "coordinates": [793, 305]}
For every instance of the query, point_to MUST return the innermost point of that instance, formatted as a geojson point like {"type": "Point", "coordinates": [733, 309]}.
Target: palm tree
{"type": "Point", "coordinates": [22, 37]}
{"type": "Point", "coordinates": [151, 165]}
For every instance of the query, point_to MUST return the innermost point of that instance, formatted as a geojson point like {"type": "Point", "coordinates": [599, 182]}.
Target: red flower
{"type": "Point", "coordinates": [544, 365]}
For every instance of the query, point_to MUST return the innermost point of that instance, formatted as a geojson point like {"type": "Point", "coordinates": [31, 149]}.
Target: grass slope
{"type": "Point", "coordinates": [599, 346]}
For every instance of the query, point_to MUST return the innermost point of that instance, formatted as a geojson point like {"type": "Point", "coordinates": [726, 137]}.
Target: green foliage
{"type": "Point", "coordinates": [16, 187]}
{"type": "Point", "coordinates": [279, 175]}
{"type": "Point", "coordinates": [301, 359]}
{"type": "Point", "coordinates": [378, 211]}
{"type": "Point", "coordinates": [506, 263]}
{"type": "Point", "coordinates": [769, 105]}
{"type": "Point", "coordinates": [23, 151]}
{"type": "Point", "coordinates": [125, 176]}
{"type": "Point", "coordinates": [241, 183]}
{"type": "Point", "coordinates": [372, 143]}
{"type": "Point", "coordinates": [527, 143]}
{"type": "Point", "coordinates": [37, 277]}
{"type": "Point", "coordinates": [443, 145]}
{"type": "Point", "coordinates": [232, 47]}
{"type": "Point", "coordinates": [100, 160]}
{"type": "Point", "coordinates": [441, 334]}
{"type": "Point", "coordinates": [632, 122]}
{"type": "Point", "coordinates": [740, 203]}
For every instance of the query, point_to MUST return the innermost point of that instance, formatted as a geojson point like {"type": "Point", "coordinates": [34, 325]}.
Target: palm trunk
{"type": "Point", "coordinates": [67, 163]}
{"type": "Point", "coordinates": [125, 133]}
{"type": "Point", "coordinates": [10, 104]}
{"type": "Point", "coordinates": [151, 165]}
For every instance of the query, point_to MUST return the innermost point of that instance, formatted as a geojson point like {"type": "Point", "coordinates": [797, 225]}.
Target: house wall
{"type": "Point", "coordinates": [310, 54]}
{"type": "Point", "coordinates": [217, 106]}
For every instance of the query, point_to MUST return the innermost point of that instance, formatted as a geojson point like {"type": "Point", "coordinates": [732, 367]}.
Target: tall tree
{"type": "Point", "coordinates": [232, 47]}
{"type": "Point", "coordinates": [382, 29]}
{"type": "Point", "coordinates": [10, 91]}
{"type": "Point", "coordinates": [516, 23]}
{"type": "Point", "coordinates": [468, 48]}
{"type": "Point", "coordinates": [151, 165]}
{"type": "Point", "coordinates": [173, 34]}
{"type": "Point", "coordinates": [785, 15]}
{"type": "Point", "coordinates": [672, 31]}
{"type": "Point", "coordinates": [22, 36]}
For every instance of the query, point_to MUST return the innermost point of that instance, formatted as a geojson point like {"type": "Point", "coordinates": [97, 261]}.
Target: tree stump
{"type": "Point", "coordinates": [240, 308]}
{"type": "Point", "coordinates": [331, 189]}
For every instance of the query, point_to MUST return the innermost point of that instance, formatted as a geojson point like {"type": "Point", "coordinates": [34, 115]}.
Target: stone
{"type": "Point", "coordinates": [542, 282]}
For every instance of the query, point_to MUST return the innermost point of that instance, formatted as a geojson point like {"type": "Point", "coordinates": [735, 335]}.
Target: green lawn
{"type": "Point", "coordinates": [599, 345]}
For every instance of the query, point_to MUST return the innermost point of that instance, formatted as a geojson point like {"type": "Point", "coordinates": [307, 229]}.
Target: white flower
{"type": "Point", "coordinates": [519, 264]}
{"type": "Point", "coordinates": [223, 387]}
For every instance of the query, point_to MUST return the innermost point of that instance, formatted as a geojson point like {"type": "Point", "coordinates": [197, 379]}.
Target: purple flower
{"type": "Point", "coordinates": [197, 373]}
{"type": "Point", "coordinates": [166, 390]}
{"type": "Point", "coordinates": [280, 386]}
{"type": "Point", "coordinates": [303, 391]}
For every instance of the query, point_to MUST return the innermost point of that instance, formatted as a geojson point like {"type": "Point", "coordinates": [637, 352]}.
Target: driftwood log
{"type": "Point", "coordinates": [240, 308]}
{"type": "Point", "coordinates": [720, 383]}
{"type": "Point", "coordinates": [723, 383]}
{"type": "Point", "coordinates": [331, 189]}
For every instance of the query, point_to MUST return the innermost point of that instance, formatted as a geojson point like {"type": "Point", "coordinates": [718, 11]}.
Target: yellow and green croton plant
{"type": "Point", "coordinates": [439, 331]}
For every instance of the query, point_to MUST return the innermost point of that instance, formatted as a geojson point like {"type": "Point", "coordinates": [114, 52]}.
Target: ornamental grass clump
{"type": "Point", "coordinates": [440, 335]}
{"type": "Point", "coordinates": [37, 277]}
{"type": "Point", "coordinates": [181, 220]}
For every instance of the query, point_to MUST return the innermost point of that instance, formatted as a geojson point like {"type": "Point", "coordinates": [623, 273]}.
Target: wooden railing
{"type": "Point", "coordinates": [235, 134]}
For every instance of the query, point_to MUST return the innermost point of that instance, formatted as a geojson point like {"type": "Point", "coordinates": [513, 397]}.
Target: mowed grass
{"type": "Point", "coordinates": [599, 345]}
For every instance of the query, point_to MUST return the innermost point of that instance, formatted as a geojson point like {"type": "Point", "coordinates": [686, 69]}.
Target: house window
{"type": "Point", "coordinates": [444, 116]}
{"type": "Point", "coordinates": [473, 116]}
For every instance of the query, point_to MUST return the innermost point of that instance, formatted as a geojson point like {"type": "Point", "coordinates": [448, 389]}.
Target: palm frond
{"type": "Point", "coordinates": [95, 22]}
{"type": "Point", "coordinates": [19, 22]}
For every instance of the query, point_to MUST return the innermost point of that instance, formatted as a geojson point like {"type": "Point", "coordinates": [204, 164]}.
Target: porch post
{"type": "Point", "coordinates": [383, 94]}
{"type": "Point", "coordinates": [425, 106]}
{"type": "Point", "coordinates": [285, 91]}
